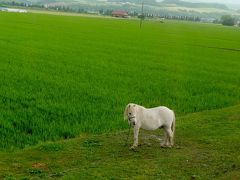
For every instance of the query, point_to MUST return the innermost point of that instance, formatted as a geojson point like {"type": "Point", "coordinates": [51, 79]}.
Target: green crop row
{"type": "Point", "coordinates": [61, 76]}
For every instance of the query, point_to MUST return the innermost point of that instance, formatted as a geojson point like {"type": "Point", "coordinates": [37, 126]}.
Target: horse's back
{"type": "Point", "coordinates": [154, 118]}
{"type": "Point", "coordinates": [161, 110]}
{"type": "Point", "coordinates": [164, 113]}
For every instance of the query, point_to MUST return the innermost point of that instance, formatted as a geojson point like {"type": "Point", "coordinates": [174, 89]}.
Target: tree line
{"type": "Point", "coordinates": [226, 20]}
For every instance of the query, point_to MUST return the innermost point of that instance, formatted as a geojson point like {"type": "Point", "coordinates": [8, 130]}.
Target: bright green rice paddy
{"type": "Point", "coordinates": [61, 76]}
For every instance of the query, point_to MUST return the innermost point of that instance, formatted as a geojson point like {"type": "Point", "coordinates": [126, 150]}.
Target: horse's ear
{"type": "Point", "coordinates": [125, 113]}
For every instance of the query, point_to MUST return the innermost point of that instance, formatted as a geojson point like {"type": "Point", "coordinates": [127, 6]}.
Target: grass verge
{"type": "Point", "coordinates": [207, 147]}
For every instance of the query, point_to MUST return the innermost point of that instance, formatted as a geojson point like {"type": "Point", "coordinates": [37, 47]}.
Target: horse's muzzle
{"type": "Point", "coordinates": [132, 123]}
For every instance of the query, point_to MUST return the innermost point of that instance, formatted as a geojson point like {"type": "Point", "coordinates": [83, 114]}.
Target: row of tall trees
{"type": "Point", "coordinates": [228, 20]}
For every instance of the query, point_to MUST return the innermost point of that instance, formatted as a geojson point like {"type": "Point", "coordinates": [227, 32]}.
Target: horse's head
{"type": "Point", "coordinates": [130, 113]}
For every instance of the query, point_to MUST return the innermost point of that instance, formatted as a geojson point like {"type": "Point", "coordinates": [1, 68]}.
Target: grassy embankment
{"type": "Point", "coordinates": [207, 147]}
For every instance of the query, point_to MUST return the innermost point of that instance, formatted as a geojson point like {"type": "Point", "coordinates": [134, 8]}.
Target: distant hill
{"type": "Point", "coordinates": [164, 8]}
{"type": "Point", "coordinates": [195, 5]}
{"type": "Point", "coordinates": [154, 3]}
{"type": "Point", "coordinates": [148, 2]}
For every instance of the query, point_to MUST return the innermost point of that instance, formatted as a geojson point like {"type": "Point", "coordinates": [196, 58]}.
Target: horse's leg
{"type": "Point", "coordinates": [136, 132]}
{"type": "Point", "coordinates": [164, 143]}
{"type": "Point", "coordinates": [170, 137]}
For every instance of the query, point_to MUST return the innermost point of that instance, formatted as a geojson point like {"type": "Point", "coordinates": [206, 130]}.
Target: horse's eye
{"type": "Point", "coordinates": [130, 113]}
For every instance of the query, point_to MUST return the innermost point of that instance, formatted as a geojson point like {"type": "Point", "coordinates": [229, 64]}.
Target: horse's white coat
{"type": "Point", "coordinates": [151, 119]}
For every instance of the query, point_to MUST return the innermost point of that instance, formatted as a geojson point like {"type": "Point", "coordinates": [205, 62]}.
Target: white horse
{"type": "Point", "coordinates": [151, 119]}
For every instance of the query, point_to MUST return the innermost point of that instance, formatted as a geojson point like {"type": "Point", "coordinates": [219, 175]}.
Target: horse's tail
{"type": "Point", "coordinates": [173, 127]}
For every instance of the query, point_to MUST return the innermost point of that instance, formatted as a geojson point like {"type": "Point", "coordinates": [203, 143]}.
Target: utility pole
{"type": "Point", "coordinates": [141, 16]}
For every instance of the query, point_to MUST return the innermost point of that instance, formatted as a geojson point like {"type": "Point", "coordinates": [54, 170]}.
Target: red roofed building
{"type": "Point", "coordinates": [122, 14]}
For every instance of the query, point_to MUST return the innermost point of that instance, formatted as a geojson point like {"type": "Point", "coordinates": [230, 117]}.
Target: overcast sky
{"type": "Point", "coordinates": [218, 1]}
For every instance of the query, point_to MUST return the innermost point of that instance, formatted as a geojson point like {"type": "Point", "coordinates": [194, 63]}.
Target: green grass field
{"type": "Point", "coordinates": [62, 76]}
{"type": "Point", "coordinates": [207, 148]}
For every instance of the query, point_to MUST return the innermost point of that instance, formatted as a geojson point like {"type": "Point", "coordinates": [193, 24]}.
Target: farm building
{"type": "Point", "coordinates": [207, 20]}
{"type": "Point", "coordinates": [238, 23]}
{"type": "Point", "coordinates": [13, 10]}
{"type": "Point", "coordinates": [122, 14]}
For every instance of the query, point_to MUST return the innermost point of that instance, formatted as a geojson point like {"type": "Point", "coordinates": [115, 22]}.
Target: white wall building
{"type": "Point", "coordinates": [13, 10]}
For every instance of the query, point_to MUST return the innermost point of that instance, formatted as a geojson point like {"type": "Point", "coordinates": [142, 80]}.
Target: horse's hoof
{"type": "Point", "coordinates": [163, 145]}
{"type": "Point", "coordinates": [132, 147]}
